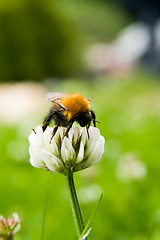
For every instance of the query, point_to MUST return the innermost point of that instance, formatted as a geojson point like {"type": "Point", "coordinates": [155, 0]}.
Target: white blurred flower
{"type": "Point", "coordinates": [89, 194]}
{"type": "Point", "coordinates": [9, 226]}
{"type": "Point", "coordinates": [74, 152]}
{"type": "Point", "coordinates": [19, 101]}
{"type": "Point", "coordinates": [130, 168]}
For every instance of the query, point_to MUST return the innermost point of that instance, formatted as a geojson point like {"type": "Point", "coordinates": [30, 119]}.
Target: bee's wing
{"type": "Point", "coordinates": [53, 96]}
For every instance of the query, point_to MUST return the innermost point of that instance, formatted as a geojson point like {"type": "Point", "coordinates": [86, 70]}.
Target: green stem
{"type": "Point", "coordinates": [77, 215]}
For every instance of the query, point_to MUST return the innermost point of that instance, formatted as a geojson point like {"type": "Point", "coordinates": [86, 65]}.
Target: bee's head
{"type": "Point", "coordinates": [84, 119]}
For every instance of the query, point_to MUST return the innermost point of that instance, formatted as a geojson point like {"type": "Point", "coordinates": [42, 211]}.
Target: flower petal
{"type": "Point", "coordinates": [15, 217]}
{"type": "Point", "coordinates": [94, 134]}
{"type": "Point", "coordinates": [35, 159]}
{"type": "Point", "coordinates": [17, 220]}
{"type": "Point", "coordinates": [50, 146]}
{"type": "Point", "coordinates": [96, 155]}
{"type": "Point", "coordinates": [47, 137]}
{"type": "Point", "coordinates": [67, 151]}
{"type": "Point", "coordinates": [80, 155]}
{"type": "Point", "coordinates": [53, 163]}
{"type": "Point", "coordinates": [36, 163]}
{"type": "Point", "coordinates": [84, 136]}
{"type": "Point", "coordinates": [59, 135]}
{"type": "Point", "coordinates": [36, 138]}
{"type": "Point", "coordinates": [54, 149]}
{"type": "Point", "coordinates": [74, 135]}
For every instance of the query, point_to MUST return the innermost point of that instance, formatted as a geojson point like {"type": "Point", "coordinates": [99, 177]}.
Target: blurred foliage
{"type": "Point", "coordinates": [96, 20]}
{"type": "Point", "coordinates": [36, 41]}
{"type": "Point", "coordinates": [44, 39]}
{"type": "Point", "coordinates": [129, 113]}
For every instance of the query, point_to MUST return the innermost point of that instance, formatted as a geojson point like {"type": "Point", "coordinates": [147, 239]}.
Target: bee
{"type": "Point", "coordinates": [67, 109]}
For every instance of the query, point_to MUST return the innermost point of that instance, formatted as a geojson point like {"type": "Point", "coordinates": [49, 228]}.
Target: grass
{"type": "Point", "coordinates": [129, 112]}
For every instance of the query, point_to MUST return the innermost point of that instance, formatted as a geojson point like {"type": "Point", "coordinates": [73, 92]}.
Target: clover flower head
{"type": "Point", "coordinates": [9, 226]}
{"type": "Point", "coordinates": [130, 168]}
{"type": "Point", "coordinates": [75, 151]}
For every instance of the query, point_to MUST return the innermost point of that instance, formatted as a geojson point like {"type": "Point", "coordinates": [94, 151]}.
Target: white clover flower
{"type": "Point", "coordinates": [74, 152]}
{"type": "Point", "coordinates": [9, 226]}
{"type": "Point", "coordinates": [130, 168]}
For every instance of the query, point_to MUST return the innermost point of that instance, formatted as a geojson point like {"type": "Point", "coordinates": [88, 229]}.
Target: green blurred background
{"type": "Point", "coordinates": [42, 48]}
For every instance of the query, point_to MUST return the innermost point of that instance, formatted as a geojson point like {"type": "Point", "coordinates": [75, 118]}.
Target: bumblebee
{"type": "Point", "coordinates": [66, 109]}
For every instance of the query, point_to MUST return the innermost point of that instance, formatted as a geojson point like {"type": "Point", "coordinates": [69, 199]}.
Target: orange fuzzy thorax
{"type": "Point", "coordinates": [75, 105]}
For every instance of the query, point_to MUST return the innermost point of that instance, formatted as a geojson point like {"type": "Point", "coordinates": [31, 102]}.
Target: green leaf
{"type": "Point", "coordinates": [86, 232]}
{"type": "Point", "coordinates": [45, 211]}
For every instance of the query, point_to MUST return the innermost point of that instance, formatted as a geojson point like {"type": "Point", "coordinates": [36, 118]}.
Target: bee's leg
{"type": "Point", "coordinates": [87, 127]}
{"type": "Point", "coordinates": [55, 129]}
{"type": "Point", "coordinates": [47, 121]}
{"type": "Point", "coordinates": [69, 127]}
{"type": "Point", "coordinates": [93, 118]}
{"type": "Point", "coordinates": [33, 130]}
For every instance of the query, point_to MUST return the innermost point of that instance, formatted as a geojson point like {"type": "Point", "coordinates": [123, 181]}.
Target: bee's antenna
{"type": "Point", "coordinates": [90, 99]}
{"type": "Point", "coordinates": [97, 121]}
